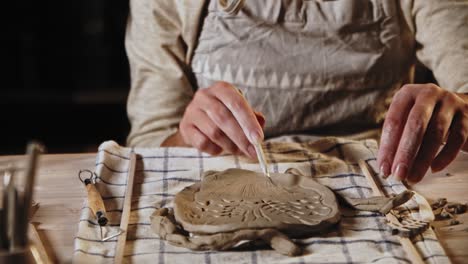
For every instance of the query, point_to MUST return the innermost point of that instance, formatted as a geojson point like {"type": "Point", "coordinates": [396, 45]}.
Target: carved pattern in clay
{"type": "Point", "coordinates": [238, 199]}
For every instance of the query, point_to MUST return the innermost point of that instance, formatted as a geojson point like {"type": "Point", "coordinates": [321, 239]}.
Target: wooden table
{"type": "Point", "coordinates": [61, 195]}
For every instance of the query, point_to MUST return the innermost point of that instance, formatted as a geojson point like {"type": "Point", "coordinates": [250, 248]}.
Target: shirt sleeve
{"type": "Point", "coordinates": [441, 32]}
{"type": "Point", "coordinates": [158, 44]}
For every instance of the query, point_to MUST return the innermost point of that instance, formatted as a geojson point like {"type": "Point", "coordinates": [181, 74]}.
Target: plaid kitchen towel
{"type": "Point", "coordinates": [360, 237]}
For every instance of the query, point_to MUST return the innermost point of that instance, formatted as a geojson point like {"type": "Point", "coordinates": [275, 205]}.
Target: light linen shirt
{"type": "Point", "coordinates": [309, 65]}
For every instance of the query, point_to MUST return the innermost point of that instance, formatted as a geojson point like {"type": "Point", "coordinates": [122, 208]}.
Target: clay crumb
{"type": "Point", "coordinates": [440, 202]}
{"type": "Point", "coordinates": [460, 208]}
{"type": "Point", "coordinates": [445, 215]}
{"type": "Point", "coordinates": [444, 210]}
{"type": "Point", "coordinates": [448, 174]}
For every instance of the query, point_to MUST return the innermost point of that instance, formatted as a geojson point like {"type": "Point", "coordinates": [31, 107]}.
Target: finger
{"type": "Point", "coordinates": [412, 136]}
{"type": "Point", "coordinates": [434, 137]}
{"type": "Point", "coordinates": [392, 130]}
{"type": "Point", "coordinates": [456, 140]}
{"type": "Point", "coordinates": [200, 141]}
{"type": "Point", "coordinates": [213, 132]}
{"type": "Point", "coordinates": [240, 109]}
{"type": "Point", "coordinates": [225, 120]}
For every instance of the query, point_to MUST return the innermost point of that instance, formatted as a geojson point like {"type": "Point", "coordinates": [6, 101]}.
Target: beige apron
{"type": "Point", "coordinates": [309, 65]}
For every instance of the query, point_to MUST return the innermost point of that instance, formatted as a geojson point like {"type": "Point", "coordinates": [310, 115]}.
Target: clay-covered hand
{"type": "Point", "coordinates": [421, 118]}
{"type": "Point", "coordinates": [219, 119]}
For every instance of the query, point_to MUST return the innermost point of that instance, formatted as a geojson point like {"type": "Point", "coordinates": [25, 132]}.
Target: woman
{"type": "Point", "coordinates": [221, 75]}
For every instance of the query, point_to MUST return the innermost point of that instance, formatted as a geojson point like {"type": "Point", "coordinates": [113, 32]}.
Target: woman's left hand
{"type": "Point", "coordinates": [420, 119]}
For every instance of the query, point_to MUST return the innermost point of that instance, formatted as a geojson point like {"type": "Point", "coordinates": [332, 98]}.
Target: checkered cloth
{"type": "Point", "coordinates": [162, 172]}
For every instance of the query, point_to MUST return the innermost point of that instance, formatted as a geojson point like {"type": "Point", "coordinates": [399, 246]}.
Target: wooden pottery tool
{"type": "Point", "coordinates": [38, 249]}
{"type": "Point", "coordinates": [408, 246]}
{"type": "Point", "coordinates": [120, 248]}
{"type": "Point", "coordinates": [17, 210]}
{"type": "Point", "coordinates": [3, 211]}
{"type": "Point", "coordinates": [33, 150]}
{"type": "Point", "coordinates": [11, 210]}
{"type": "Point", "coordinates": [95, 202]}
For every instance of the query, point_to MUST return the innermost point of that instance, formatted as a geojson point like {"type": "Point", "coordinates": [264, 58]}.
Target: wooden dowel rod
{"type": "Point", "coordinates": [40, 253]}
{"type": "Point", "coordinates": [33, 151]}
{"type": "Point", "coordinates": [96, 203]}
{"type": "Point", "coordinates": [120, 248]}
{"type": "Point", "coordinates": [405, 242]}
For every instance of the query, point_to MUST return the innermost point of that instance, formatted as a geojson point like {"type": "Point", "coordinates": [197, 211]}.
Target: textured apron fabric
{"type": "Point", "coordinates": [307, 65]}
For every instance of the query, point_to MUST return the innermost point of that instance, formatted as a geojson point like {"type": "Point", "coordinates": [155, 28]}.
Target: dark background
{"type": "Point", "coordinates": [65, 75]}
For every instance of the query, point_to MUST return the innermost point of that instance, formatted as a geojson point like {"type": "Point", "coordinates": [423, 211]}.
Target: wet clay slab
{"type": "Point", "coordinates": [237, 199]}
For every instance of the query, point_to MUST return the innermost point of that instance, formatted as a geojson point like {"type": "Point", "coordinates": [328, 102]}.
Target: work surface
{"type": "Point", "coordinates": [61, 195]}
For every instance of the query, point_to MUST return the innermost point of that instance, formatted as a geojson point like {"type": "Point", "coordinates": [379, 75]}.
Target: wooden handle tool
{"type": "Point", "coordinates": [96, 203]}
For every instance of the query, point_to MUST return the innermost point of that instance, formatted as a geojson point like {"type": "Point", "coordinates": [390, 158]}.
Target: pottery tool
{"type": "Point", "coordinates": [3, 214]}
{"type": "Point", "coordinates": [112, 236]}
{"type": "Point", "coordinates": [406, 243]}
{"type": "Point", "coordinates": [17, 202]}
{"type": "Point", "coordinates": [127, 204]}
{"type": "Point", "coordinates": [11, 210]}
{"type": "Point", "coordinates": [38, 248]}
{"type": "Point", "coordinates": [261, 158]}
{"type": "Point", "coordinates": [95, 202]}
{"type": "Point", "coordinates": [33, 151]}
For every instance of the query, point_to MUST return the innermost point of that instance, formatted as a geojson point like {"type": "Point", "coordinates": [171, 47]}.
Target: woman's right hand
{"type": "Point", "coordinates": [219, 119]}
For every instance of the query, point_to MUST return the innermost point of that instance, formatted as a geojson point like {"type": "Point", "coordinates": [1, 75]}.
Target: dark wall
{"type": "Point", "coordinates": [65, 75]}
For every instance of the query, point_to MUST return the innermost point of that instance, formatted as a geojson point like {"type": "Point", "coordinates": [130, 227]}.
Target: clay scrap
{"type": "Point", "coordinates": [379, 204]}
{"type": "Point", "coordinates": [404, 225]}
{"type": "Point", "coordinates": [408, 227]}
{"type": "Point", "coordinates": [444, 210]}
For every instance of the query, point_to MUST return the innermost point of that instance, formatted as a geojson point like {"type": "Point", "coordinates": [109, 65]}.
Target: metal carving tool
{"type": "Point", "coordinates": [95, 202]}
{"type": "Point", "coordinates": [112, 236]}
{"type": "Point", "coordinates": [262, 160]}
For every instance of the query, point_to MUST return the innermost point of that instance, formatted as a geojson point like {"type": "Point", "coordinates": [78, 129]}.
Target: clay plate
{"type": "Point", "coordinates": [241, 199]}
